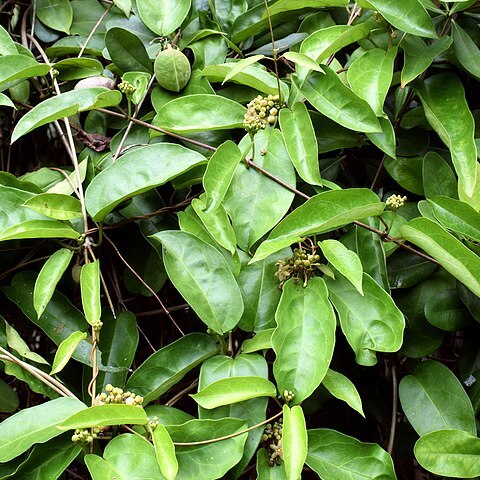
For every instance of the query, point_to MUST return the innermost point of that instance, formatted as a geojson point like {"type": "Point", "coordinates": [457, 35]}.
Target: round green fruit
{"type": "Point", "coordinates": [172, 69]}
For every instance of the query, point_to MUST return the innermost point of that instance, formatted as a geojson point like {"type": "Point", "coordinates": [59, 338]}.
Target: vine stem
{"type": "Point", "coordinates": [275, 59]}
{"type": "Point", "coordinates": [393, 426]}
{"type": "Point", "coordinates": [94, 29]}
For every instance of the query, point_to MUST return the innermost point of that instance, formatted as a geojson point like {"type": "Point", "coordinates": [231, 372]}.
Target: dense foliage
{"type": "Point", "coordinates": [239, 239]}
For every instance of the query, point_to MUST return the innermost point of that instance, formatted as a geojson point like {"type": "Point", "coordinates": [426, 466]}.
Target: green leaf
{"type": "Point", "coordinates": [451, 453]}
{"type": "Point", "coordinates": [342, 388]}
{"type": "Point", "coordinates": [418, 56]}
{"type": "Point", "coordinates": [345, 261]}
{"type": "Point", "coordinates": [406, 269]}
{"type": "Point", "coordinates": [322, 213]}
{"type": "Point", "coordinates": [265, 471]}
{"type": "Point", "coordinates": [65, 105]}
{"type": "Point", "coordinates": [295, 441]}
{"type": "Point", "coordinates": [261, 341]}
{"type": "Point", "coordinates": [241, 65]}
{"type": "Point", "coordinates": [9, 401]}
{"type": "Point", "coordinates": [299, 138]}
{"type": "Point", "coordinates": [302, 60]}
{"type": "Point", "coordinates": [372, 322]}
{"type": "Point", "coordinates": [65, 351]}
{"type": "Point", "coordinates": [39, 229]}
{"type": "Point", "coordinates": [205, 112]}
{"type": "Point", "coordinates": [446, 109]}
{"type": "Point", "coordinates": [220, 170]}
{"type": "Point", "coordinates": [334, 455]}
{"type": "Point", "coordinates": [466, 50]}
{"type": "Point", "coordinates": [407, 172]}
{"type": "Point", "coordinates": [304, 338]}
{"type": "Point", "coordinates": [56, 14]}
{"type": "Point", "coordinates": [55, 205]}
{"type": "Point", "coordinates": [385, 140]}
{"type": "Point", "coordinates": [438, 177]}
{"type": "Point", "coordinates": [15, 68]}
{"type": "Point", "coordinates": [90, 290]}
{"type": "Point", "coordinates": [136, 172]}
{"type": "Point", "coordinates": [6, 102]}
{"type": "Point", "coordinates": [164, 16]}
{"type": "Point", "coordinates": [253, 202]}
{"type": "Point", "coordinates": [190, 263]}
{"type": "Point", "coordinates": [7, 45]}
{"type": "Point", "coordinates": [454, 257]}
{"type": "Point", "coordinates": [124, 5]}
{"type": "Point", "coordinates": [165, 452]}
{"type": "Point", "coordinates": [333, 99]}
{"type": "Point", "coordinates": [285, 5]}
{"type": "Point", "coordinates": [434, 399]}
{"type": "Point", "coordinates": [16, 342]}
{"type": "Point", "coordinates": [233, 390]}
{"type": "Point", "coordinates": [127, 51]}
{"type": "Point", "coordinates": [168, 366]}
{"type": "Point", "coordinates": [35, 425]}
{"type": "Point", "coordinates": [446, 311]}
{"type": "Point", "coordinates": [103, 415]}
{"type": "Point", "coordinates": [409, 16]}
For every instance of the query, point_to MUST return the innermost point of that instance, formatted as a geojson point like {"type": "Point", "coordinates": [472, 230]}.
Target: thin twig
{"type": "Point", "coordinates": [274, 51]}
{"type": "Point", "coordinates": [393, 425]}
{"type": "Point", "coordinates": [94, 29]}
{"type": "Point", "coordinates": [181, 393]}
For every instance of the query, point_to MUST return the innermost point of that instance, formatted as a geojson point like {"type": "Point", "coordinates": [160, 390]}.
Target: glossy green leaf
{"type": "Point", "coordinates": [78, 68]}
{"type": "Point", "coordinates": [136, 172]}
{"type": "Point", "coordinates": [409, 16]}
{"type": "Point", "coordinates": [16, 342]}
{"type": "Point", "coordinates": [345, 261]}
{"type": "Point", "coordinates": [455, 257]}
{"type": "Point", "coordinates": [370, 76]}
{"type": "Point", "coordinates": [7, 45]}
{"type": "Point", "coordinates": [372, 322]}
{"type": "Point", "coordinates": [334, 455]}
{"type": "Point", "coordinates": [333, 99]}
{"type": "Point", "coordinates": [451, 453]}
{"type": "Point", "coordinates": [5, 101]}
{"type": "Point", "coordinates": [386, 139]}
{"type": "Point", "coordinates": [103, 415]}
{"type": "Point", "coordinates": [35, 425]}
{"type": "Point", "coordinates": [55, 205]}
{"type": "Point", "coordinates": [65, 351]}
{"type": "Point", "coordinates": [168, 366]}
{"type": "Point", "coordinates": [164, 16]}
{"type": "Point", "coordinates": [64, 105]}
{"type": "Point", "coordinates": [127, 51]}
{"type": "Point", "coordinates": [446, 311]}
{"type": "Point", "coordinates": [165, 452]}
{"type": "Point", "coordinates": [322, 213]}
{"type": "Point", "coordinates": [295, 441]}
{"type": "Point", "coordinates": [227, 114]}
{"type": "Point", "coordinates": [253, 202]}
{"type": "Point", "coordinates": [190, 263]}
{"type": "Point", "coordinates": [302, 60]}
{"type": "Point", "coordinates": [418, 56]}
{"type": "Point", "coordinates": [241, 65]}
{"type": "Point", "coordinates": [438, 177]}
{"type": "Point", "coordinates": [261, 341]}
{"type": "Point", "coordinates": [124, 5]}
{"type": "Point", "coordinates": [15, 68]}
{"type": "Point", "coordinates": [434, 399]}
{"type": "Point", "coordinates": [304, 338]}
{"type": "Point", "coordinates": [466, 50]}
{"type": "Point", "coordinates": [56, 14]}
{"type": "Point", "coordinates": [406, 269]}
{"type": "Point", "coordinates": [39, 229]}
{"type": "Point", "coordinates": [9, 401]}
{"type": "Point", "coordinates": [342, 388]}
{"type": "Point", "coordinates": [407, 172]}
{"type": "Point", "coordinates": [446, 109]}
{"type": "Point", "coordinates": [233, 390]}
{"type": "Point", "coordinates": [285, 5]}
{"type": "Point", "coordinates": [90, 291]}
{"type": "Point", "coordinates": [299, 138]}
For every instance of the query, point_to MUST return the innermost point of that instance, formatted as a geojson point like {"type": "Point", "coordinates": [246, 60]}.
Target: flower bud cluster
{"type": "Point", "coordinates": [394, 202]}
{"type": "Point", "coordinates": [117, 395]}
{"type": "Point", "coordinates": [272, 436]}
{"type": "Point", "coordinates": [261, 111]}
{"type": "Point", "coordinates": [85, 435]}
{"type": "Point", "coordinates": [127, 88]}
{"type": "Point", "coordinates": [153, 422]}
{"type": "Point", "coordinates": [288, 395]}
{"type": "Point", "coordinates": [97, 325]}
{"type": "Point", "coordinates": [301, 265]}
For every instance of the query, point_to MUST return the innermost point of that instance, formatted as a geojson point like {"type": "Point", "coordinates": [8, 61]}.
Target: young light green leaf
{"type": "Point", "coordinates": [294, 441]}
{"type": "Point", "coordinates": [35, 425]}
{"type": "Point", "coordinates": [286, 5]}
{"type": "Point", "coordinates": [299, 138]}
{"type": "Point", "coordinates": [450, 453]}
{"type": "Point", "coordinates": [455, 257]}
{"type": "Point", "coordinates": [304, 338]}
{"type": "Point", "coordinates": [56, 14]}
{"type": "Point", "coordinates": [322, 213]}
{"type": "Point", "coordinates": [302, 60]}
{"type": "Point", "coordinates": [342, 388]}
{"type": "Point", "coordinates": [165, 452]}
{"type": "Point", "coordinates": [164, 16]}
{"type": "Point", "coordinates": [241, 65]}
{"type": "Point", "coordinates": [261, 341]}
{"type": "Point", "coordinates": [234, 390]}
{"type": "Point", "coordinates": [332, 98]}
{"type": "Point", "coordinates": [90, 291]}
{"type": "Point", "coordinates": [15, 68]}
{"type": "Point", "coordinates": [39, 229]}
{"type": "Point", "coordinates": [49, 276]}
{"type": "Point", "coordinates": [446, 109]}
{"type": "Point", "coordinates": [65, 351]}
{"type": "Point", "coordinates": [16, 342]}
{"type": "Point", "coordinates": [64, 105]}
{"type": "Point", "coordinates": [466, 50]}
{"type": "Point", "coordinates": [345, 261]}
{"type": "Point", "coordinates": [434, 399]}
{"type": "Point", "coordinates": [55, 205]}
{"type": "Point", "coordinates": [6, 102]}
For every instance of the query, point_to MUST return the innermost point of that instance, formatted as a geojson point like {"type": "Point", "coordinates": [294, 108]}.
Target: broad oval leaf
{"type": "Point", "coordinates": [35, 425]}
{"type": "Point", "coordinates": [261, 341]}
{"type": "Point", "coordinates": [446, 311]}
{"type": "Point", "coordinates": [56, 14]}
{"type": "Point", "coordinates": [466, 50]}
{"type": "Point", "coordinates": [294, 441]}
{"type": "Point", "coordinates": [372, 322]}
{"type": "Point", "coordinates": [451, 453]}
{"type": "Point", "coordinates": [165, 452]}
{"type": "Point", "coordinates": [90, 291]}
{"type": "Point", "coordinates": [39, 229]}
{"type": "Point", "coordinates": [201, 274]}
{"type": "Point", "coordinates": [438, 177]}
{"type": "Point", "coordinates": [169, 365]}
{"type": "Point", "coordinates": [334, 455]}
{"type": "Point", "coordinates": [455, 257]}
{"type": "Point", "coordinates": [205, 112]}
{"type": "Point", "coordinates": [55, 205]}
{"type": "Point", "coordinates": [434, 399]}
{"type": "Point", "coordinates": [446, 109]}
{"type": "Point", "coordinates": [65, 351]}
{"type": "Point", "coordinates": [136, 172]}
{"type": "Point", "coordinates": [163, 16]}
{"type": "Point", "coordinates": [233, 390]}
{"type": "Point", "coordinates": [304, 338]}
{"type": "Point", "coordinates": [322, 213]}
{"type": "Point", "coordinates": [15, 68]}
{"type": "Point", "coordinates": [342, 388]}
{"type": "Point", "coordinates": [49, 276]}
